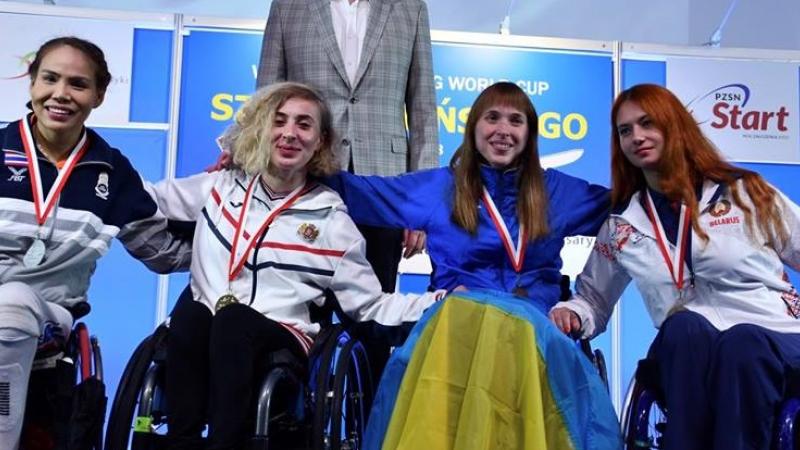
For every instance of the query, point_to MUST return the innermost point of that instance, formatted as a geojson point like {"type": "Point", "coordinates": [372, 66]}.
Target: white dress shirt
{"type": "Point", "coordinates": [350, 27]}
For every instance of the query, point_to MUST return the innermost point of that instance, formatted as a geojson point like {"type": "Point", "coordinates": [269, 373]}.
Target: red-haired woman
{"type": "Point", "coordinates": [706, 243]}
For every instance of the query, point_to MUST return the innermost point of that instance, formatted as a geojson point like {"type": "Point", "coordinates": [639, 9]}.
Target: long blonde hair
{"type": "Point", "coordinates": [248, 138]}
{"type": "Point", "coordinates": [531, 199]}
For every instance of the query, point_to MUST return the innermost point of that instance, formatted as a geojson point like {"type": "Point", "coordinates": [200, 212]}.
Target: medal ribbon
{"type": "Point", "coordinates": [675, 261]}
{"type": "Point", "coordinates": [515, 253]}
{"type": "Point", "coordinates": [43, 205]}
{"type": "Point", "coordinates": [235, 265]}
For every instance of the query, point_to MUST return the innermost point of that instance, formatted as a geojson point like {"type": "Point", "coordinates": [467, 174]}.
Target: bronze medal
{"type": "Point", "coordinates": [225, 300]}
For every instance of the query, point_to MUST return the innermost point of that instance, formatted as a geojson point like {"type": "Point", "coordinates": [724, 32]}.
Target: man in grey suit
{"type": "Point", "coordinates": [371, 59]}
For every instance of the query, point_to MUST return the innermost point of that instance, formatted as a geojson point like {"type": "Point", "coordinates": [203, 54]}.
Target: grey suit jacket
{"type": "Point", "coordinates": [394, 77]}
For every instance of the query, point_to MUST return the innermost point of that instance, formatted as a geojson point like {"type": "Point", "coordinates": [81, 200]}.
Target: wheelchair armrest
{"type": "Point", "coordinates": [79, 310]}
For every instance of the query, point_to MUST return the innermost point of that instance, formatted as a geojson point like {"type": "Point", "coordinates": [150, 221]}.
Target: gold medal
{"type": "Point", "coordinates": [226, 300]}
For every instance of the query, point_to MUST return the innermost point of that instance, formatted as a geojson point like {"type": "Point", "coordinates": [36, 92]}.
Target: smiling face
{"type": "Point", "coordinates": [501, 134]}
{"type": "Point", "coordinates": [63, 93]}
{"type": "Point", "coordinates": [295, 135]}
{"type": "Point", "coordinates": [641, 141]}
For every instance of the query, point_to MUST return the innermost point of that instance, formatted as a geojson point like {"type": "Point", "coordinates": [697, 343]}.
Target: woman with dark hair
{"type": "Point", "coordinates": [706, 243]}
{"type": "Point", "coordinates": [495, 222]}
{"type": "Point", "coordinates": [270, 241]}
{"type": "Point", "coordinates": [64, 194]}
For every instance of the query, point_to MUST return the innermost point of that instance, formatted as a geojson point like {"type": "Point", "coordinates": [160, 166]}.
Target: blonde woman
{"type": "Point", "coordinates": [269, 241]}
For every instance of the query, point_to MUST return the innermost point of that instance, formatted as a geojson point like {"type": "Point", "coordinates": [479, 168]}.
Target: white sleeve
{"type": "Point", "coordinates": [789, 251]}
{"type": "Point", "coordinates": [599, 285]}
{"type": "Point", "coordinates": [183, 198]}
{"type": "Point", "coordinates": [358, 290]}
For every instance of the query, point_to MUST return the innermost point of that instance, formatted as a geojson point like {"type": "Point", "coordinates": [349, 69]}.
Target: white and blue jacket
{"type": "Point", "coordinates": [102, 199]}
{"type": "Point", "coordinates": [737, 278]}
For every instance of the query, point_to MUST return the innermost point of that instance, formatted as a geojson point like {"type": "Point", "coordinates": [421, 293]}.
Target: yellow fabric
{"type": "Point", "coordinates": [476, 381]}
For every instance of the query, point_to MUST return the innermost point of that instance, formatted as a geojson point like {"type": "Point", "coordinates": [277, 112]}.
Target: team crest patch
{"type": "Point", "coordinates": [308, 232]}
{"type": "Point", "coordinates": [101, 189]}
{"type": "Point", "coordinates": [720, 208]}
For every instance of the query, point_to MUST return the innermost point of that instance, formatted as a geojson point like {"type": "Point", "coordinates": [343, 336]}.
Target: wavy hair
{"type": "Point", "coordinates": [532, 199]}
{"type": "Point", "coordinates": [248, 139]}
{"type": "Point", "coordinates": [687, 159]}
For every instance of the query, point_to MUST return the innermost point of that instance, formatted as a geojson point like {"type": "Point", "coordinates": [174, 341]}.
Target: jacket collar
{"type": "Point", "coordinates": [635, 214]}
{"type": "Point", "coordinates": [317, 197]}
{"type": "Point", "coordinates": [98, 152]}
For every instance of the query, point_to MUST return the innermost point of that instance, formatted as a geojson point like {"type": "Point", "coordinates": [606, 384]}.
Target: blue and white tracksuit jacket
{"type": "Point", "coordinates": [423, 201]}
{"type": "Point", "coordinates": [102, 199]}
{"type": "Point", "coordinates": [289, 269]}
{"type": "Point", "coordinates": [738, 279]}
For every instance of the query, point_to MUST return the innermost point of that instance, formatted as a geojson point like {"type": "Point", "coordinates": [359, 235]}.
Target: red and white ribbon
{"type": "Point", "coordinates": [516, 253]}
{"type": "Point", "coordinates": [43, 206]}
{"type": "Point", "coordinates": [674, 260]}
{"type": "Point", "coordinates": [237, 261]}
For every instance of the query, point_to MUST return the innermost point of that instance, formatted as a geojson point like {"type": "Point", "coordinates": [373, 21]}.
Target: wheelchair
{"type": "Point", "coordinates": [66, 402]}
{"type": "Point", "coordinates": [595, 356]}
{"type": "Point", "coordinates": [319, 404]}
{"type": "Point", "coordinates": [644, 415]}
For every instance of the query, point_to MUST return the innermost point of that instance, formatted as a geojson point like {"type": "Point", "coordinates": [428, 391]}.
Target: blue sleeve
{"type": "Point", "coordinates": [586, 206]}
{"type": "Point", "coordinates": [403, 201]}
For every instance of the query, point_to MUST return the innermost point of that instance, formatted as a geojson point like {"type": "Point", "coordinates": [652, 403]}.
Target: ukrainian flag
{"type": "Point", "coordinates": [486, 370]}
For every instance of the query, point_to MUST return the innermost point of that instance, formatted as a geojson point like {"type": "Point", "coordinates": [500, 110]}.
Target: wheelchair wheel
{"type": "Point", "coordinates": [341, 392]}
{"type": "Point", "coordinates": [121, 418]}
{"type": "Point", "coordinates": [643, 418]}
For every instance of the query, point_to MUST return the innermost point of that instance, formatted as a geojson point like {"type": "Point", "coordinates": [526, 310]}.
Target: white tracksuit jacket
{"type": "Point", "coordinates": [737, 280]}
{"type": "Point", "coordinates": [290, 270]}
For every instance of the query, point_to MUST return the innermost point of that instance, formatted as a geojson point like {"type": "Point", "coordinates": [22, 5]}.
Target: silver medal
{"type": "Point", "coordinates": [35, 254]}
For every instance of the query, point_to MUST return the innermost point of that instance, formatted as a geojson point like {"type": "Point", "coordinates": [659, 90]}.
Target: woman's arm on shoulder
{"type": "Point", "coordinates": [403, 201]}
{"type": "Point", "coordinates": [184, 198]}
{"type": "Point", "coordinates": [586, 205]}
{"type": "Point", "coordinates": [145, 231]}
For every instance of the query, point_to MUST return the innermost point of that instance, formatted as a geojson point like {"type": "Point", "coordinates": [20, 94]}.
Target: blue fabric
{"type": "Point", "coordinates": [581, 396]}
{"type": "Point", "coordinates": [722, 388]}
{"type": "Point", "coordinates": [423, 201]}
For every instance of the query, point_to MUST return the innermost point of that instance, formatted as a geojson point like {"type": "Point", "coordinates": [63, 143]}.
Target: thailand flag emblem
{"type": "Point", "coordinates": [15, 158]}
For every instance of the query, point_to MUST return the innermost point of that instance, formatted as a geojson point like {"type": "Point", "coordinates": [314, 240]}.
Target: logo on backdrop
{"type": "Point", "coordinates": [747, 108]}
{"type": "Point", "coordinates": [726, 108]}
{"type": "Point", "coordinates": [24, 62]}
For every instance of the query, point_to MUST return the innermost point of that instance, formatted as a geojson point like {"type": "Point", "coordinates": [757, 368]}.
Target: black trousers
{"type": "Point", "coordinates": [212, 371]}
{"type": "Point", "coordinates": [384, 251]}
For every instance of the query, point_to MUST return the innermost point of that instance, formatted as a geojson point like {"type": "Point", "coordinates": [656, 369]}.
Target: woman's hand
{"type": "Point", "coordinates": [224, 161]}
{"type": "Point", "coordinates": [566, 320]}
{"type": "Point", "coordinates": [413, 242]}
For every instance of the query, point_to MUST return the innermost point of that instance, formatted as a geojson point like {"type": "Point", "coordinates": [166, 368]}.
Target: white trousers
{"type": "Point", "coordinates": [23, 316]}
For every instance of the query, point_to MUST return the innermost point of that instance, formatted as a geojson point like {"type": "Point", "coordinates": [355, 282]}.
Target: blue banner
{"type": "Point", "coordinates": [219, 75]}
{"type": "Point", "coordinates": [572, 93]}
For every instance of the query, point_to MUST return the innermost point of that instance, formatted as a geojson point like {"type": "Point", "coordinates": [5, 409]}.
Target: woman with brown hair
{"type": "Point", "coordinates": [494, 219]}
{"type": "Point", "coordinates": [706, 243]}
{"type": "Point", "coordinates": [495, 222]}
